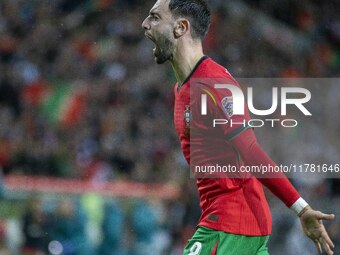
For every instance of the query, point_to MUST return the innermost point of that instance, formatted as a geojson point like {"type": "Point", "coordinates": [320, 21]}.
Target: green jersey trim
{"type": "Point", "coordinates": [192, 71]}
{"type": "Point", "coordinates": [236, 132]}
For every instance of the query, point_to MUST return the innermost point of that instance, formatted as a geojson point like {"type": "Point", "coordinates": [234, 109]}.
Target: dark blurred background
{"type": "Point", "coordinates": [82, 99]}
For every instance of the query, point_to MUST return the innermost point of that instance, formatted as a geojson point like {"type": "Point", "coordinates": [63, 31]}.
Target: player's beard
{"type": "Point", "coordinates": [164, 49]}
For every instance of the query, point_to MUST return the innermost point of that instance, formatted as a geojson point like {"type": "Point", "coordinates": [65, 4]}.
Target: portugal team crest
{"type": "Point", "coordinates": [187, 118]}
{"type": "Point", "coordinates": [227, 105]}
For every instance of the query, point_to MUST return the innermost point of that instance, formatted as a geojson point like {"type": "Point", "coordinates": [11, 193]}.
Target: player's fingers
{"type": "Point", "coordinates": [325, 246]}
{"type": "Point", "coordinates": [327, 239]}
{"type": "Point", "coordinates": [318, 246]}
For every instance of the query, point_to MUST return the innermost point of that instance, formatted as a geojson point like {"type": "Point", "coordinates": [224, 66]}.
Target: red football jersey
{"type": "Point", "coordinates": [234, 205]}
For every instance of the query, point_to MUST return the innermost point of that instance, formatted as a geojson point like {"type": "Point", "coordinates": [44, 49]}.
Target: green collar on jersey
{"type": "Point", "coordinates": [192, 71]}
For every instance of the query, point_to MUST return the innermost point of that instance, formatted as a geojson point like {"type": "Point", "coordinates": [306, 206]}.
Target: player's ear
{"type": "Point", "coordinates": [182, 26]}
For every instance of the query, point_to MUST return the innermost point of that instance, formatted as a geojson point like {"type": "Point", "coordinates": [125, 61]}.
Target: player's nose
{"type": "Point", "coordinates": [146, 24]}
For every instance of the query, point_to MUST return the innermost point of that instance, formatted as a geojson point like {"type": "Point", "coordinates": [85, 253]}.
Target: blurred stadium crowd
{"type": "Point", "coordinates": [80, 97]}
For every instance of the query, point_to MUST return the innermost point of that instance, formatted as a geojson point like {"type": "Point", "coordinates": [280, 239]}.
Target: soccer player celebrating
{"type": "Point", "coordinates": [235, 216]}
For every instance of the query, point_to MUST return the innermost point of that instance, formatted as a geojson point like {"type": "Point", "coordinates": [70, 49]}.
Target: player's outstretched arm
{"type": "Point", "coordinates": [313, 227]}
{"type": "Point", "coordinates": [311, 220]}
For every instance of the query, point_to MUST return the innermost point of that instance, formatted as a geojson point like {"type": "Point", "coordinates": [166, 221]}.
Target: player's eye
{"type": "Point", "coordinates": [154, 17]}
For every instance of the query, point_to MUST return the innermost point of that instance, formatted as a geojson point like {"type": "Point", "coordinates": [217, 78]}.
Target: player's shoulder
{"type": "Point", "coordinates": [216, 70]}
{"type": "Point", "coordinates": [212, 73]}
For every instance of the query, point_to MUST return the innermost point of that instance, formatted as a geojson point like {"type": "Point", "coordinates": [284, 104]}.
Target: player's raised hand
{"type": "Point", "coordinates": [313, 227]}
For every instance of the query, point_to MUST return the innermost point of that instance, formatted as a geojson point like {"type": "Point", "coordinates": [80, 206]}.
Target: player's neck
{"type": "Point", "coordinates": [185, 59]}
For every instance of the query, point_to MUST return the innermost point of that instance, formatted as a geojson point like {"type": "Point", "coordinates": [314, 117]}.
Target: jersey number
{"type": "Point", "coordinates": [195, 249]}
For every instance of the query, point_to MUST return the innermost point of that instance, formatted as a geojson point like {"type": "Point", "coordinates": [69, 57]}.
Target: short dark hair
{"type": "Point", "coordinates": [198, 13]}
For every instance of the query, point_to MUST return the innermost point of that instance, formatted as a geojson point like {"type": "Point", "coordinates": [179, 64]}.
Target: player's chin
{"type": "Point", "coordinates": [160, 59]}
{"type": "Point", "coordinates": [160, 56]}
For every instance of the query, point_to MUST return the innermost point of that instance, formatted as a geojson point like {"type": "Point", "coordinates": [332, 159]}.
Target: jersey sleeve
{"type": "Point", "coordinates": [252, 154]}
{"type": "Point", "coordinates": [226, 102]}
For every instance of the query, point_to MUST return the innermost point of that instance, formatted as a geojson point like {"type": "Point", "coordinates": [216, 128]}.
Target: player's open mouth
{"type": "Point", "coordinates": [153, 40]}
